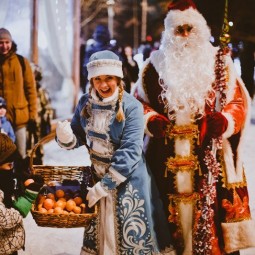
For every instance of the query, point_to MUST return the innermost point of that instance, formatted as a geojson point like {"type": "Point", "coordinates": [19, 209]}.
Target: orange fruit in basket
{"type": "Point", "coordinates": [77, 210]}
{"type": "Point", "coordinates": [78, 200]}
{"type": "Point", "coordinates": [50, 211]}
{"type": "Point", "coordinates": [70, 204]}
{"type": "Point", "coordinates": [48, 203]}
{"type": "Point", "coordinates": [62, 199]}
{"type": "Point", "coordinates": [60, 203]}
{"type": "Point", "coordinates": [28, 181]}
{"type": "Point", "coordinates": [60, 193]}
{"type": "Point", "coordinates": [42, 210]}
{"type": "Point", "coordinates": [58, 210]}
{"type": "Point", "coordinates": [51, 196]}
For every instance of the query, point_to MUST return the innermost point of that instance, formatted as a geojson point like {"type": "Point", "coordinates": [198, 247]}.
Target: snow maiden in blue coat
{"type": "Point", "coordinates": [110, 122]}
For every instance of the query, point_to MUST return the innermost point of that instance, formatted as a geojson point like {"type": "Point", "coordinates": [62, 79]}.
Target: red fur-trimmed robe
{"type": "Point", "coordinates": [181, 168]}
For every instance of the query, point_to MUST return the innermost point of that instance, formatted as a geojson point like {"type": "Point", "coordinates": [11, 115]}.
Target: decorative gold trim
{"type": "Point", "coordinates": [183, 131]}
{"type": "Point", "coordinates": [179, 163]}
{"type": "Point", "coordinates": [238, 220]}
{"type": "Point", "coordinates": [189, 132]}
{"type": "Point", "coordinates": [184, 197]}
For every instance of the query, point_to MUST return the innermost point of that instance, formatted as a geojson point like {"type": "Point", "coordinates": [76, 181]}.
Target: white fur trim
{"type": "Point", "coordinates": [182, 147]}
{"type": "Point", "coordinates": [146, 119]}
{"type": "Point", "coordinates": [186, 218]}
{"type": "Point", "coordinates": [138, 86]}
{"type": "Point", "coordinates": [233, 174]}
{"type": "Point", "coordinates": [104, 67]}
{"type": "Point", "coordinates": [184, 182]}
{"type": "Point", "coordinates": [116, 176]}
{"type": "Point", "coordinates": [157, 57]}
{"type": "Point", "coordinates": [231, 125]}
{"type": "Point", "coordinates": [68, 146]}
{"type": "Point", "coordinates": [190, 16]}
{"type": "Point", "coordinates": [238, 235]}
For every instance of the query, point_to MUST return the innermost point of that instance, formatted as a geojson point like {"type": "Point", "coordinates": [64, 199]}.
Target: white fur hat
{"type": "Point", "coordinates": [183, 12]}
{"type": "Point", "coordinates": [104, 63]}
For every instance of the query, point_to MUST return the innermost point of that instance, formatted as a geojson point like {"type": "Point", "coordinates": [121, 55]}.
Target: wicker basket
{"type": "Point", "coordinates": [59, 173]}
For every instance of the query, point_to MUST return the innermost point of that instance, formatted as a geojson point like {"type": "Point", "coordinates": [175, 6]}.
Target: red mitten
{"type": "Point", "coordinates": [213, 125]}
{"type": "Point", "coordinates": [217, 124]}
{"type": "Point", "coordinates": [157, 125]}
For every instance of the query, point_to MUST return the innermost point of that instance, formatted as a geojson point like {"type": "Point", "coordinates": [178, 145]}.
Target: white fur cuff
{"type": "Point", "coordinates": [238, 235]}
{"type": "Point", "coordinates": [146, 118]}
{"type": "Point", "coordinates": [231, 125]}
{"type": "Point", "coordinates": [116, 176]}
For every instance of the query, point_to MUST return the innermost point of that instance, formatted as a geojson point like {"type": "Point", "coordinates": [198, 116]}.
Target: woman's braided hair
{"type": "Point", "coordinates": [120, 116]}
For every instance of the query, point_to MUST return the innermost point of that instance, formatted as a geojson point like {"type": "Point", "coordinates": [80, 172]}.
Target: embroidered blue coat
{"type": "Point", "coordinates": [131, 219]}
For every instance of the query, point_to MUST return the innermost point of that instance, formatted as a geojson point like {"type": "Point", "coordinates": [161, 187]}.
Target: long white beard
{"type": "Point", "coordinates": [187, 72]}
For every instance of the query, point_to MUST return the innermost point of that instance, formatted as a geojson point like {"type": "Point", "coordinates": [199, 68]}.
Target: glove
{"type": "Point", "coordinates": [31, 126]}
{"type": "Point", "coordinates": [64, 132]}
{"type": "Point", "coordinates": [157, 125]}
{"type": "Point", "coordinates": [212, 126]}
{"type": "Point", "coordinates": [24, 203]}
{"type": "Point", "coordinates": [95, 193]}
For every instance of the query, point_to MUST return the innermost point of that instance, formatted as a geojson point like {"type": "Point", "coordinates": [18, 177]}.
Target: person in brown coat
{"type": "Point", "coordinates": [17, 86]}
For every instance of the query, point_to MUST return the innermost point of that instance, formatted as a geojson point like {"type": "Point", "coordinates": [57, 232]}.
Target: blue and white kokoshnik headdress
{"type": "Point", "coordinates": [104, 63]}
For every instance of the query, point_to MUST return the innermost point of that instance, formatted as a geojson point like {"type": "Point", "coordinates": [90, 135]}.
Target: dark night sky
{"type": "Point", "coordinates": [241, 12]}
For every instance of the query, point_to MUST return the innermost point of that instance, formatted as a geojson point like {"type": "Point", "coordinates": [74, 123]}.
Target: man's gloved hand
{"type": "Point", "coordinates": [157, 125]}
{"type": "Point", "coordinates": [31, 126]}
{"type": "Point", "coordinates": [212, 125]}
{"type": "Point", "coordinates": [95, 193]}
{"type": "Point", "coordinates": [64, 132]}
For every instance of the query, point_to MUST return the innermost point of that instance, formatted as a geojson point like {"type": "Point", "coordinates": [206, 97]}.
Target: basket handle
{"type": "Point", "coordinates": [44, 140]}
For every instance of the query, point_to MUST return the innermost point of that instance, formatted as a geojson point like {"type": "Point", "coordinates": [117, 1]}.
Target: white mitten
{"type": "Point", "coordinates": [95, 193]}
{"type": "Point", "coordinates": [64, 132]}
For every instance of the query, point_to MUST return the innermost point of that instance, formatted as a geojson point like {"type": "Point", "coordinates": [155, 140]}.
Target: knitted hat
{"type": "Point", "coordinates": [5, 34]}
{"type": "Point", "coordinates": [2, 102]}
{"type": "Point", "coordinates": [7, 149]}
{"type": "Point", "coordinates": [104, 63]}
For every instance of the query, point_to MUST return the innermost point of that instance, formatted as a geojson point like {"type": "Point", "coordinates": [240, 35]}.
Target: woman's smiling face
{"type": "Point", "coordinates": [105, 85]}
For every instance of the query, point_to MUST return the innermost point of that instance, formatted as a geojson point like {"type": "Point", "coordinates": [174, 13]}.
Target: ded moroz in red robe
{"type": "Point", "coordinates": [203, 186]}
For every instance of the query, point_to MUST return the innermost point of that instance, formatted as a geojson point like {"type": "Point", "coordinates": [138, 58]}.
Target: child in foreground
{"type": "Point", "coordinates": [13, 208]}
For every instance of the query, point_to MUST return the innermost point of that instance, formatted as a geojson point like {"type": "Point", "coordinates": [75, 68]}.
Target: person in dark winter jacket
{"type": "Point", "coordinates": [5, 125]}
{"type": "Point", "coordinates": [130, 68]}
